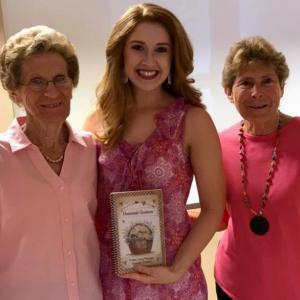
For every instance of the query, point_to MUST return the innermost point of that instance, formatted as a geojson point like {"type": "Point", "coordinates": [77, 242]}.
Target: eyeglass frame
{"type": "Point", "coordinates": [45, 83]}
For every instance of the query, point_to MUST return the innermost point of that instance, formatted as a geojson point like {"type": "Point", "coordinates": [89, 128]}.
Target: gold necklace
{"type": "Point", "coordinates": [54, 161]}
{"type": "Point", "coordinates": [48, 158]}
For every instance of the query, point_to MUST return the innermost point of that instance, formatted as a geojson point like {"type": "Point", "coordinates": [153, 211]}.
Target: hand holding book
{"type": "Point", "coordinates": [154, 275]}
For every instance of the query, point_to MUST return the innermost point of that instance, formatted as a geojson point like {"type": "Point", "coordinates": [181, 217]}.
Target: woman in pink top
{"type": "Point", "coordinates": [48, 243]}
{"type": "Point", "coordinates": [258, 255]}
{"type": "Point", "coordinates": [156, 135]}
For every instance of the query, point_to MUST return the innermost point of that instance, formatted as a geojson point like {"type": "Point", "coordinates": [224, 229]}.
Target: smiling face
{"type": "Point", "coordinates": [256, 93]}
{"type": "Point", "coordinates": [51, 105]}
{"type": "Point", "coordinates": [148, 56]}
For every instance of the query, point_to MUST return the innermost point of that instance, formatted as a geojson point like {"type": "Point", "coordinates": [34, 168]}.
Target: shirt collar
{"type": "Point", "coordinates": [15, 135]}
{"type": "Point", "coordinates": [18, 140]}
{"type": "Point", "coordinates": [76, 136]}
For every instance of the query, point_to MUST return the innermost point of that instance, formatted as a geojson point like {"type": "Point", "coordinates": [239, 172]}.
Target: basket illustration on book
{"type": "Point", "coordinates": [137, 225]}
{"type": "Point", "coordinates": [140, 239]}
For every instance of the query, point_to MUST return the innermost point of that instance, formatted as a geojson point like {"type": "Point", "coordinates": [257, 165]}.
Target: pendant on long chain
{"type": "Point", "coordinates": [259, 225]}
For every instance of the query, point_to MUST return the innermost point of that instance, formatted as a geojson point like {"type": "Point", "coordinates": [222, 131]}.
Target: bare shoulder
{"type": "Point", "coordinates": [93, 122]}
{"type": "Point", "coordinates": [198, 121]}
{"type": "Point", "coordinates": [199, 128]}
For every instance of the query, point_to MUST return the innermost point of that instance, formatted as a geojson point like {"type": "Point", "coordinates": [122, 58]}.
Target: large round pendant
{"type": "Point", "coordinates": [259, 225]}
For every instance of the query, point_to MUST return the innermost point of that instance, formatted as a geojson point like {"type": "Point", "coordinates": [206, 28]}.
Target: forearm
{"type": "Point", "coordinates": [201, 233]}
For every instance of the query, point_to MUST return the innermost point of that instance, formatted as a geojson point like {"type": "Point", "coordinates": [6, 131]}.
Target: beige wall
{"type": "Point", "coordinates": [6, 109]}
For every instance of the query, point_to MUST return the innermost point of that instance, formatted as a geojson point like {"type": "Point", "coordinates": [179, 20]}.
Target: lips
{"type": "Point", "coordinates": [51, 105]}
{"type": "Point", "coordinates": [147, 74]}
{"type": "Point", "coordinates": [258, 106]}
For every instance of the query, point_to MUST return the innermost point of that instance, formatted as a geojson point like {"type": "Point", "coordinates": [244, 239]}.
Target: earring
{"type": "Point", "coordinates": [125, 79]}
{"type": "Point", "coordinates": [169, 80]}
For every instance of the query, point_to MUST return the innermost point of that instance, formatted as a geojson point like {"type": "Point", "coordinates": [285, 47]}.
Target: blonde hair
{"type": "Point", "coordinates": [114, 98]}
{"type": "Point", "coordinates": [253, 49]}
{"type": "Point", "coordinates": [30, 41]}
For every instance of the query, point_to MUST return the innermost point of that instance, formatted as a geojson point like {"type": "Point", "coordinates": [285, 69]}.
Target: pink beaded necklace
{"type": "Point", "coordinates": [259, 223]}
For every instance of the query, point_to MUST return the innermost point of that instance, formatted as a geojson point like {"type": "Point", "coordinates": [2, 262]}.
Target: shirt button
{"type": "Point", "coordinates": [67, 220]}
{"type": "Point", "coordinates": [69, 253]}
{"type": "Point", "coordinates": [72, 283]}
{"type": "Point", "coordinates": [61, 187]}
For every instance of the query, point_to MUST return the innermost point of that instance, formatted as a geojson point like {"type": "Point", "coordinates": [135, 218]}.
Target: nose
{"type": "Point", "coordinates": [148, 58]}
{"type": "Point", "coordinates": [51, 91]}
{"type": "Point", "coordinates": [256, 91]}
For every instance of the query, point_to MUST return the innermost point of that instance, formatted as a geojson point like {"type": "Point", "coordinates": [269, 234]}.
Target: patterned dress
{"type": "Point", "coordinates": [159, 162]}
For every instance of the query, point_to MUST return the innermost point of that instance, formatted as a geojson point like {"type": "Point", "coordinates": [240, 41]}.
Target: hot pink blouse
{"type": "Point", "coordinates": [48, 244]}
{"type": "Point", "coordinates": [266, 267]}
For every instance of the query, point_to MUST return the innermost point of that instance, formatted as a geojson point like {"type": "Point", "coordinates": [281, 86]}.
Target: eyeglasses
{"type": "Point", "coordinates": [40, 84]}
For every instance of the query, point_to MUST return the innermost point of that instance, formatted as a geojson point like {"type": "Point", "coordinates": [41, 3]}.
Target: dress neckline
{"type": "Point", "coordinates": [157, 116]}
{"type": "Point", "coordinates": [272, 134]}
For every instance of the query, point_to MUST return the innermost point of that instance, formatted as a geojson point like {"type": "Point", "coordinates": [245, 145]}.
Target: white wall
{"type": "Point", "coordinates": [6, 111]}
{"type": "Point", "coordinates": [213, 26]}
{"type": "Point", "coordinates": [86, 23]}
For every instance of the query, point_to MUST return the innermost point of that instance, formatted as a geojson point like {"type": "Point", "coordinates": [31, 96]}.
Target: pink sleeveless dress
{"type": "Point", "coordinates": [159, 162]}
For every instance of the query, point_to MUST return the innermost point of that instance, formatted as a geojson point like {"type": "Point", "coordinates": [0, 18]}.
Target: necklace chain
{"type": "Point", "coordinates": [243, 166]}
{"type": "Point", "coordinates": [54, 161]}
{"type": "Point", "coordinates": [48, 158]}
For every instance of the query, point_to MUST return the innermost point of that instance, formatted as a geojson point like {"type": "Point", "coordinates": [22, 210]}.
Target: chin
{"type": "Point", "coordinates": [147, 88]}
{"type": "Point", "coordinates": [56, 118]}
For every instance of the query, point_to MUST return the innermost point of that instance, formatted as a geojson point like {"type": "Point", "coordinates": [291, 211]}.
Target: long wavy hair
{"type": "Point", "coordinates": [115, 99]}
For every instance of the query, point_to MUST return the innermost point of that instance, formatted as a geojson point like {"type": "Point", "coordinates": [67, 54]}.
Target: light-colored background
{"type": "Point", "coordinates": [213, 26]}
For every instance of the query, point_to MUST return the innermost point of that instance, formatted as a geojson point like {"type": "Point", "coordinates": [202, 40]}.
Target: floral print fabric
{"type": "Point", "coordinates": [159, 162]}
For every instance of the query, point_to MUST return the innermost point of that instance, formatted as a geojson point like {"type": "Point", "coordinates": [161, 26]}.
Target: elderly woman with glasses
{"type": "Point", "coordinates": [49, 248]}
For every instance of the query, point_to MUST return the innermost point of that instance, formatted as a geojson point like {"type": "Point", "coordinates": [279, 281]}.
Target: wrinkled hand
{"type": "Point", "coordinates": [153, 275]}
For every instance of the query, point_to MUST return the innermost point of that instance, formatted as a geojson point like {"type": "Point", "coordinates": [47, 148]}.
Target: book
{"type": "Point", "coordinates": [137, 229]}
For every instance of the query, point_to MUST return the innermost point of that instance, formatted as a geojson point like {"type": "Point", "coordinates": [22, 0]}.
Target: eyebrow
{"type": "Point", "coordinates": [241, 77]}
{"type": "Point", "coordinates": [35, 76]}
{"type": "Point", "coordinates": [262, 76]}
{"type": "Point", "coordinates": [141, 42]}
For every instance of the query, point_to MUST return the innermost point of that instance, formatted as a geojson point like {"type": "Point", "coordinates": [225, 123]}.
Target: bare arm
{"type": "Point", "coordinates": [201, 141]}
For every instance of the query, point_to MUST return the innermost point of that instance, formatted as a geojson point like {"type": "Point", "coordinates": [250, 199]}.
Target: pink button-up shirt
{"type": "Point", "coordinates": [48, 243]}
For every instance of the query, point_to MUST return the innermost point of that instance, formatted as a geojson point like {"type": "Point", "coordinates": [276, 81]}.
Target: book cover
{"type": "Point", "coordinates": [137, 229]}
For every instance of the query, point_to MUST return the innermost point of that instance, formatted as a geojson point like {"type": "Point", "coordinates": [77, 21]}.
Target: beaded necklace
{"type": "Point", "coordinates": [54, 161]}
{"type": "Point", "coordinates": [259, 223]}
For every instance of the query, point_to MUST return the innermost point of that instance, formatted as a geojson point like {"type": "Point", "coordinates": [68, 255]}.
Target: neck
{"type": "Point", "coordinates": [262, 128]}
{"type": "Point", "coordinates": [50, 139]}
{"type": "Point", "coordinates": [157, 98]}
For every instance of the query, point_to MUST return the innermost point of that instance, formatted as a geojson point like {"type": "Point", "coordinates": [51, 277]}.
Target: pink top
{"type": "Point", "coordinates": [49, 248]}
{"type": "Point", "coordinates": [159, 162]}
{"type": "Point", "coordinates": [265, 267]}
